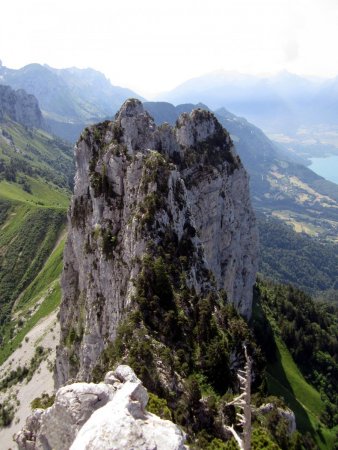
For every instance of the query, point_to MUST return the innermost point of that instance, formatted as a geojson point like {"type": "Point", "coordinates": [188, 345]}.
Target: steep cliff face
{"type": "Point", "coordinates": [20, 107]}
{"type": "Point", "coordinates": [156, 212]}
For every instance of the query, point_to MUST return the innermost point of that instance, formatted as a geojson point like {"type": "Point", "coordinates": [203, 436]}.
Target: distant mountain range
{"type": "Point", "coordinates": [300, 113]}
{"type": "Point", "coordinates": [280, 103]}
{"type": "Point", "coordinates": [69, 98]}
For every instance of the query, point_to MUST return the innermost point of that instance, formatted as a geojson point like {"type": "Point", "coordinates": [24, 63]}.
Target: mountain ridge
{"type": "Point", "coordinates": [69, 98]}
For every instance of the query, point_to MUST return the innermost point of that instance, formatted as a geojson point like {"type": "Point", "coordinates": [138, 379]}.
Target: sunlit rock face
{"type": "Point", "coordinates": [20, 107]}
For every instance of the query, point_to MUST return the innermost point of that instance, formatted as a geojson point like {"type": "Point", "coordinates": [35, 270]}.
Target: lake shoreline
{"type": "Point", "coordinates": [326, 167]}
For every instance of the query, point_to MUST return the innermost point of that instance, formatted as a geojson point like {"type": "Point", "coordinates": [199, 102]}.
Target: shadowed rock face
{"type": "Point", "coordinates": [109, 415]}
{"type": "Point", "coordinates": [20, 107]}
{"type": "Point", "coordinates": [135, 185]}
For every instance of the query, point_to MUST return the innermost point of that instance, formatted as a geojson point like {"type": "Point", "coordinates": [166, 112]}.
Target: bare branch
{"type": "Point", "coordinates": [243, 401]}
{"type": "Point", "coordinates": [235, 435]}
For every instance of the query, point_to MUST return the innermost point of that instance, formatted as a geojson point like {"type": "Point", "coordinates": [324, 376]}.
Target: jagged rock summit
{"type": "Point", "coordinates": [20, 107]}
{"type": "Point", "coordinates": [160, 218]}
{"type": "Point", "coordinates": [104, 416]}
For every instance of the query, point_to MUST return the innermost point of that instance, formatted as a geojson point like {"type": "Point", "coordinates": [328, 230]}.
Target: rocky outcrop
{"type": "Point", "coordinates": [109, 415]}
{"type": "Point", "coordinates": [144, 192]}
{"type": "Point", "coordinates": [20, 107]}
{"type": "Point", "coordinates": [284, 413]}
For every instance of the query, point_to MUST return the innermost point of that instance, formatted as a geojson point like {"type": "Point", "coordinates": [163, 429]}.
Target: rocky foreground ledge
{"type": "Point", "coordinates": [109, 415]}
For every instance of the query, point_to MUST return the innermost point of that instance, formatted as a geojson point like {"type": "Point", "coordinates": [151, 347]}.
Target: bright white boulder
{"type": "Point", "coordinates": [109, 415]}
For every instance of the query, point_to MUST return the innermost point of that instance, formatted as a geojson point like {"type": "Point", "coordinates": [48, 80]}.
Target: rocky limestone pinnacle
{"type": "Point", "coordinates": [140, 190]}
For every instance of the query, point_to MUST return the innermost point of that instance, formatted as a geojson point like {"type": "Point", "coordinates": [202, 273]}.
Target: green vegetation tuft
{"type": "Point", "coordinates": [7, 412]}
{"type": "Point", "coordinates": [159, 406]}
{"type": "Point", "coordinates": [43, 402]}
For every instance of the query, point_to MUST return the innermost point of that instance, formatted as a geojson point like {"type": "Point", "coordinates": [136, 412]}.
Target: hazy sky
{"type": "Point", "coordinates": [154, 45]}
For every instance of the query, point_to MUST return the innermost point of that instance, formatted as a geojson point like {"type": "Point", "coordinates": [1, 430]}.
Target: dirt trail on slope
{"type": "Point", "coordinates": [46, 333]}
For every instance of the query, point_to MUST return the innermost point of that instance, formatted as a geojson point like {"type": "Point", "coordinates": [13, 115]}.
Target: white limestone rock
{"type": "Point", "coordinates": [100, 417]}
{"type": "Point", "coordinates": [284, 413]}
{"type": "Point", "coordinates": [124, 424]}
{"type": "Point", "coordinates": [26, 438]}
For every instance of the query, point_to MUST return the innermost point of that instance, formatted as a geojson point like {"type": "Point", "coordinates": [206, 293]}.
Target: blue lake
{"type": "Point", "coordinates": [326, 167]}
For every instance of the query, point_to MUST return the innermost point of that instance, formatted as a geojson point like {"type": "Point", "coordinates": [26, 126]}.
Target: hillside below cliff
{"type": "Point", "coordinates": [36, 177]}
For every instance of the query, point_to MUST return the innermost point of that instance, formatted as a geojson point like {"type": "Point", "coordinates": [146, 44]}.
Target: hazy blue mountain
{"type": "Point", "coordinates": [280, 103]}
{"type": "Point", "coordinates": [326, 101]}
{"type": "Point", "coordinates": [69, 98]}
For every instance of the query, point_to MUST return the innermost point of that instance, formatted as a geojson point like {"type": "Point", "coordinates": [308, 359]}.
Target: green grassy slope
{"type": "Point", "coordinates": [295, 375]}
{"type": "Point", "coordinates": [31, 249]}
{"type": "Point", "coordinates": [41, 194]}
{"type": "Point", "coordinates": [35, 174]}
{"type": "Point", "coordinates": [28, 236]}
{"type": "Point", "coordinates": [285, 380]}
{"type": "Point", "coordinates": [34, 153]}
{"type": "Point", "coordinates": [47, 277]}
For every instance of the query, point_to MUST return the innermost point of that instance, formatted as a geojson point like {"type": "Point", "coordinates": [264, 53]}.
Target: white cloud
{"type": "Point", "coordinates": [291, 50]}
{"type": "Point", "coordinates": [152, 45]}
